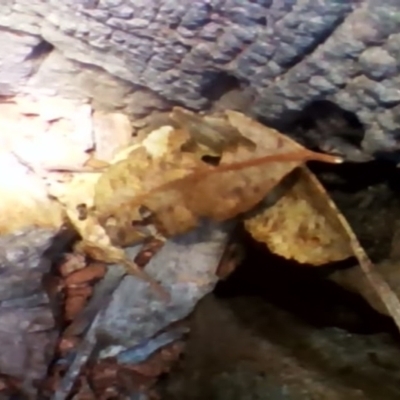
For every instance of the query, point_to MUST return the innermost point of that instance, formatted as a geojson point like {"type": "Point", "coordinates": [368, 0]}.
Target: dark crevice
{"type": "Point", "coordinates": [354, 177]}
{"type": "Point", "coordinates": [217, 83]}
{"type": "Point", "coordinates": [368, 196]}
{"type": "Point", "coordinates": [262, 20]}
{"type": "Point", "coordinates": [324, 126]}
{"type": "Point", "coordinates": [40, 51]}
{"type": "Point", "coordinates": [302, 290]}
{"type": "Point", "coordinates": [320, 113]}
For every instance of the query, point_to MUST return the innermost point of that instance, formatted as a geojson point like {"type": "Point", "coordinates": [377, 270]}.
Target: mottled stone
{"type": "Point", "coordinates": [168, 46]}
{"type": "Point", "coordinates": [125, 309]}
{"type": "Point", "coordinates": [244, 348]}
{"type": "Point", "coordinates": [27, 325]}
{"type": "Point", "coordinates": [376, 63]}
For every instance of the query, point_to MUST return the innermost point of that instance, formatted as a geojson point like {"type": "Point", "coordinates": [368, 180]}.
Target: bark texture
{"type": "Point", "coordinates": [142, 55]}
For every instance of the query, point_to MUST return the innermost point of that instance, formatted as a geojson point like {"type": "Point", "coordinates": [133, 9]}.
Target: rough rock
{"type": "Point", "coordinates": [29, 127]}
{"type": "Point", "coordinates": [125, 314]}
{"type": "Point", "coordinates": [27, 325]}
{"type": "Point", "coordinates": [242, 348]}
{"type": "Point", "coordinates": [142, 56]}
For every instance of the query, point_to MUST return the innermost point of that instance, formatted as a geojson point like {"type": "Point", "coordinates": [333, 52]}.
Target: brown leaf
{"type": "Point", "coordinates": [306, 225]}
{"type": "Point", "coordinates": [90, 273]}
{"type": "Point", "coordinates": [38, 124]}
{"type": "Point", "coordinates": [354, 280]}
{"type": "Point", "coordinates": [380, 285]}
{"type": "Point", "coordinates": [232, 257]}
{"type": "Point", "coordinates": [80, 291]}
{"type": "Point", "coordinates": [303, 224]}
{"type": "Point", "coordinates": [76, 300]}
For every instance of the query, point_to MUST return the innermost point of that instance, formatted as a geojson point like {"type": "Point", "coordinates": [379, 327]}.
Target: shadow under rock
{"type": "Point", "coordinates": [279, 330]}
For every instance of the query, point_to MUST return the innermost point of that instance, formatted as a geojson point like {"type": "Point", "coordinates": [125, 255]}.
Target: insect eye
{"type": "Point", "coordinates": [144, 212]}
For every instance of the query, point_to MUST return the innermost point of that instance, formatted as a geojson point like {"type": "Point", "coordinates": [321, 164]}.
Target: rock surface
{"type": "Point", "coordinates": [270, 58]}
{"type": "Point", "coordinates": [124, 315]}
{"type": "Point", "coordinates": [142, 56]}
{"type": "Point", "coordinates": [242, 348]}
{"type": "Point", "coordinates": [29, 127]}
{"type": "Point", "coordinates": [27, 325]}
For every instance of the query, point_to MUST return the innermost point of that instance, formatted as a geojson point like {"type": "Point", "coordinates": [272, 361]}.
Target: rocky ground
{"type": "Point", "coordinates": [276, 330]}
{"type": "Point", "coordinates": [325, 72]}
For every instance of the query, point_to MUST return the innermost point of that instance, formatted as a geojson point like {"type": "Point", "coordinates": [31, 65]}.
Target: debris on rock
{"type": "Point", "coordinates": [78, 288]}
{"type": "Point", "coordinates": [126, 320]}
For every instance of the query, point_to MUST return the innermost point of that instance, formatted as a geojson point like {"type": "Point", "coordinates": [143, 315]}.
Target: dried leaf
{"type": "Point", "coordinates": [233, 255]}
{"type": "Point", "coordinates": [76, 298]}
{"type": "Point", "coordinates": [354, 280]}
{"type": "Point", "coordinates": [381, 287]}
{"type": "Point", "coordinates": [302, 225]}
{"type": "Point", "coordinates": [295, 229]}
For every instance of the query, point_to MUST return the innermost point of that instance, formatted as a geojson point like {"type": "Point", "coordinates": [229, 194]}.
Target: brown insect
{"type": "Point", "coordinates": [166, 195]}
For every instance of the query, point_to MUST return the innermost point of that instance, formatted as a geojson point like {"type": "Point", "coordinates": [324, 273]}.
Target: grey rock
{"type": "Point", "coordinates": [27, 324]}
{"type": "Point", "coordinates": [22, 264]}
{"type": "Point", "coordinates": [123, 12]}
{"type": "Point", "coordinates": [186, 267]}
{"type": "Point", "coordinates": [242, 348]}
{"type": "Point", "coordinates": [290, 53]}
{"type": "Point", "coordinates": [377, 63]}
{"type": "Point", "coordinates": [125, 312]}
{"type": "Point", "coordinates": [144, 350]}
